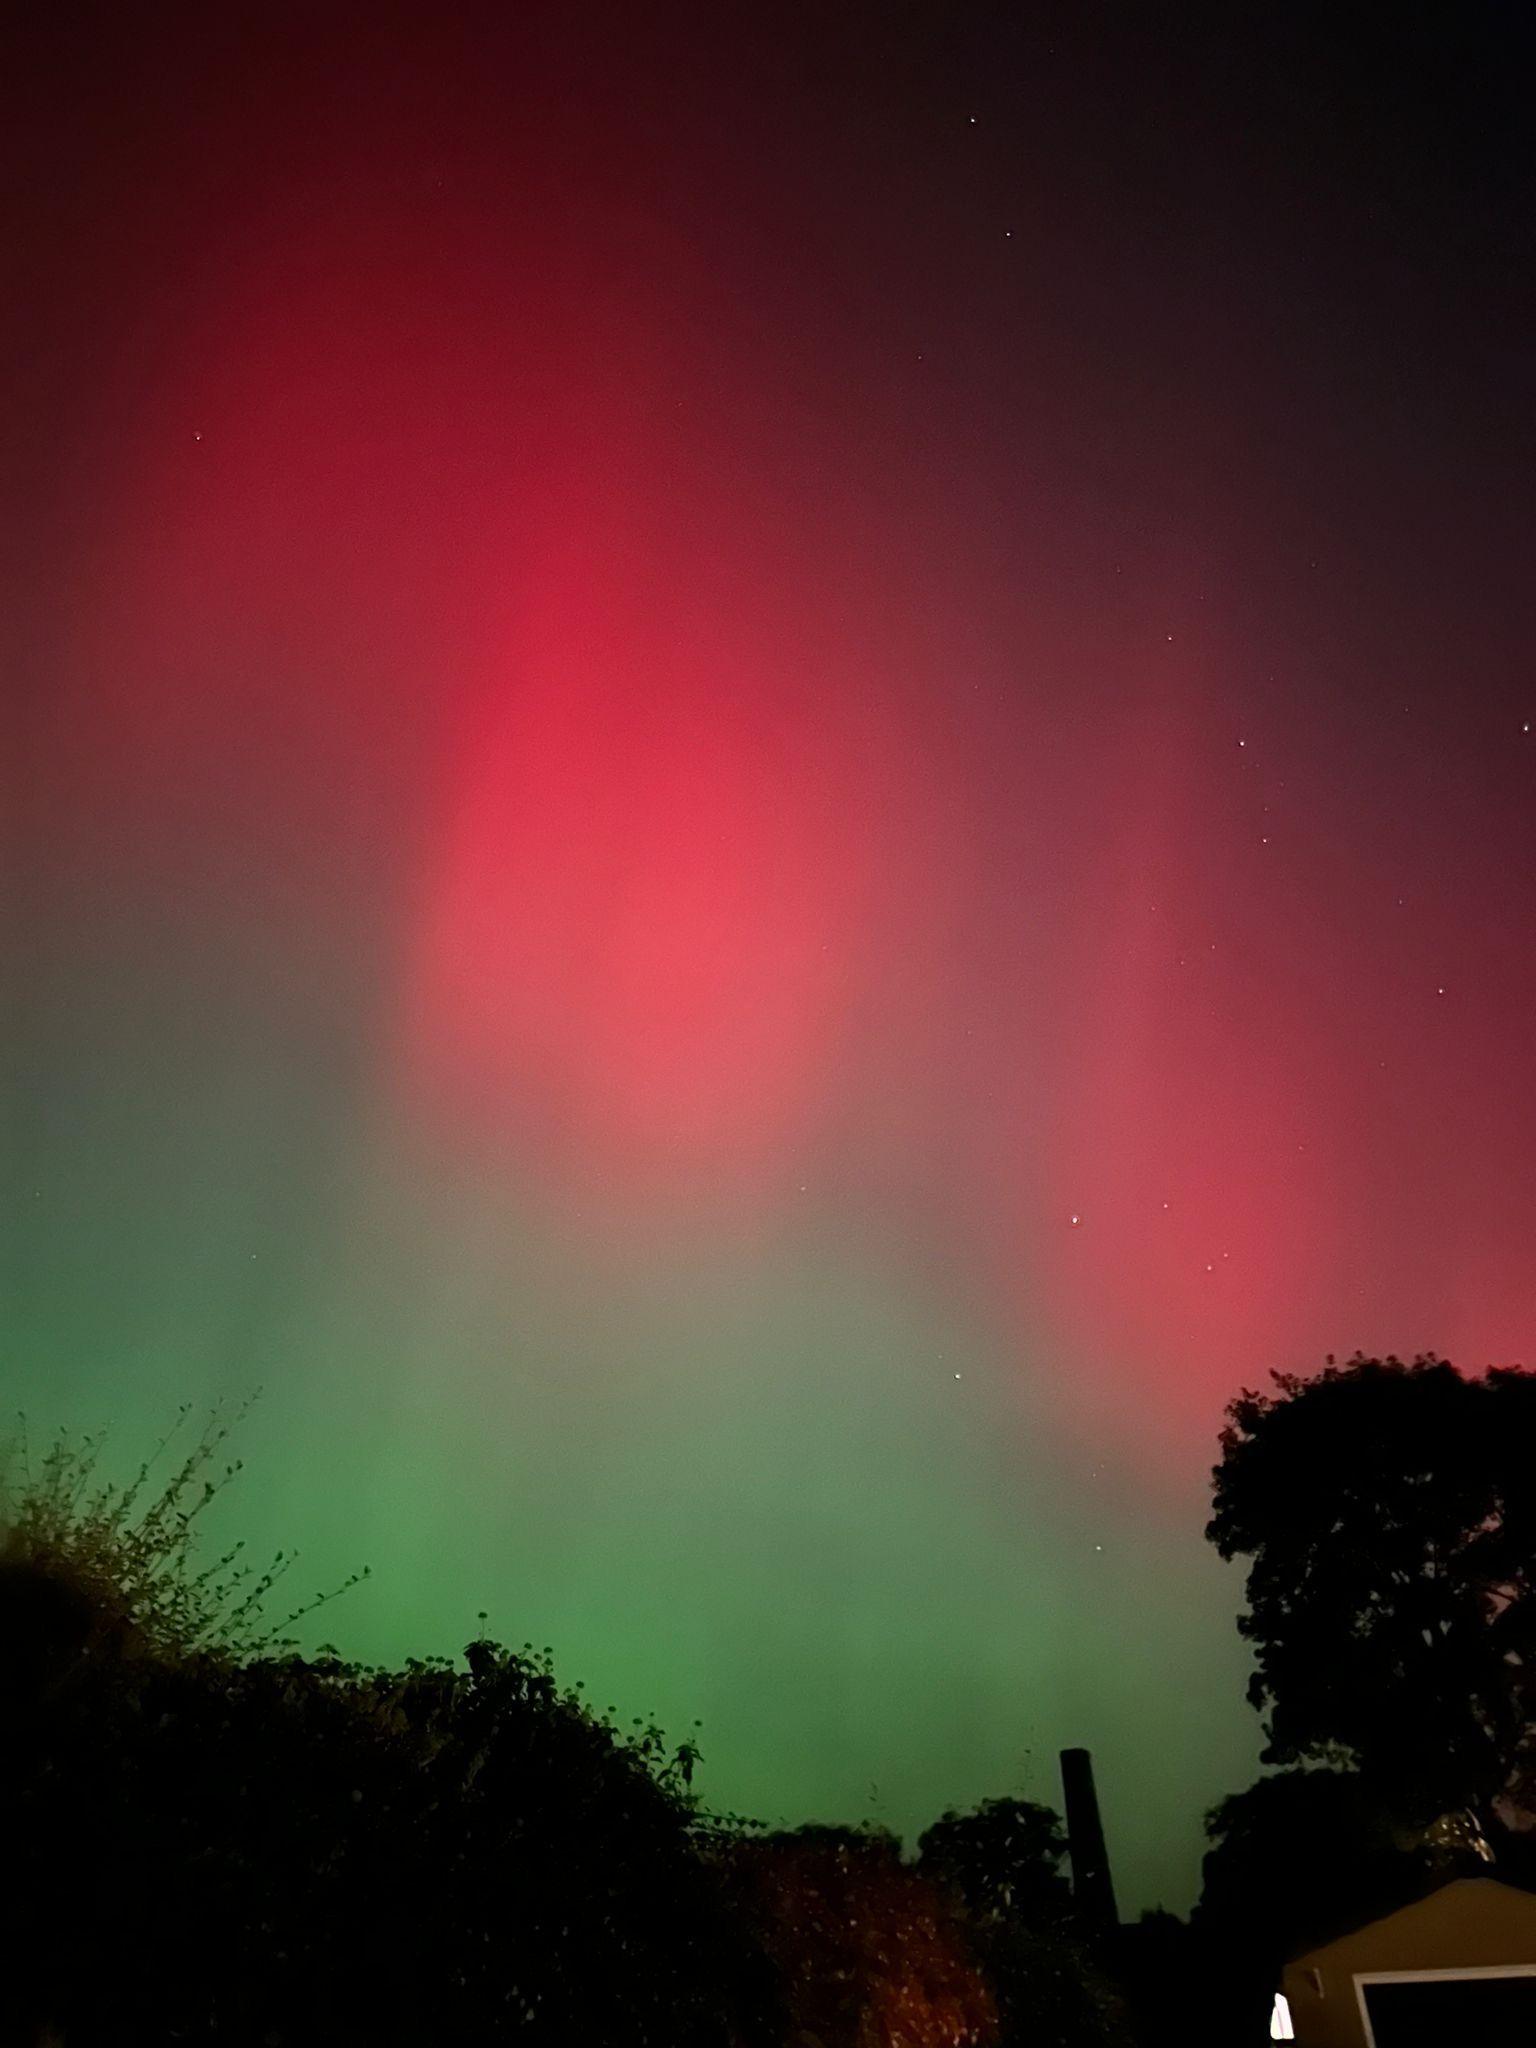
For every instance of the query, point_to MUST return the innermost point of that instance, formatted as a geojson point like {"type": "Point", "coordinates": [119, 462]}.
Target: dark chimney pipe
{"type": "Point", "coordinates": [1092, 1886]}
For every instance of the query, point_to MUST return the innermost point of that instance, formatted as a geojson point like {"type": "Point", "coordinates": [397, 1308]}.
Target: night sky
{"type": "Point", "coordinates": [772, 781]}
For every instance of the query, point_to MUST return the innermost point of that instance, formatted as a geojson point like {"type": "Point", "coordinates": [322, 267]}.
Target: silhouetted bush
{"type": "Point", "coordinates": [1000, 1864]}
{"type": "Point", "coordinates": [869, 1953]}
{"type": "Point", "coordinates": [218, 1843]}
{"type": "Point", "coordinates": [1003, 1860]}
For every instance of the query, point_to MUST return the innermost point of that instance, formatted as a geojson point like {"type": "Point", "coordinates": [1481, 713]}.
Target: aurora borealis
{"type": "Point", "coordinates": [773, 785]}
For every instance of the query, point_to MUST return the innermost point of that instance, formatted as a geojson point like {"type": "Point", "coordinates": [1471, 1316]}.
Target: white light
{"type": "Point", "coordinates": [1280, 2028]}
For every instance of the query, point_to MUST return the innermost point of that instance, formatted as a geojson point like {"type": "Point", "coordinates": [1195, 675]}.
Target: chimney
{"type": "Point", "coordinates": [1092, 1886]}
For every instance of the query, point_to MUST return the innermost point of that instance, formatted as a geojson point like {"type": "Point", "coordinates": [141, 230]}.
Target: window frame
{"type": "Point", "coordinates": [1465, 1974]}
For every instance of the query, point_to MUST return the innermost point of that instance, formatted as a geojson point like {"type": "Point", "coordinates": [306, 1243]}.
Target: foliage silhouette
{"type": "Point", "coordinates": [1164, 1971]}
{"type": "Point", "coordinates": [128, 1552]}
{"type": "Point", "coordinates": [1001, 1864]}
{"type": "Point", "coordinates": [870, 1953]}
{"type": "Point", "coordinates": [1387, 1514]}
{"type": "Point", "coordinates": [232, 1844]}
{"type": "Point", "coordinates": [1003, 1860]}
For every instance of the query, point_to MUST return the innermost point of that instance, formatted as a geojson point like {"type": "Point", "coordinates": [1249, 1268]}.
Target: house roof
{"type": "Point", "coordinates": [1470, 1915]}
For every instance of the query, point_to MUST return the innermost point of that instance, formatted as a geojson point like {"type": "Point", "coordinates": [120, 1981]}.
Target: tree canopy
{"type": "Point", "coordinates": [1003, 1860]}
{"type": "Point", "coordinates": [1303, 1855]}
{"type": "Point", "coordinates": [1001, 1863]}
{"type": "Point", "coordinates": [1386, 1512]}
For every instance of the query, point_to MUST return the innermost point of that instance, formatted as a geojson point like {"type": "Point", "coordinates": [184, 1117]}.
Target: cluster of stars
{"type": "Point", "coordinates": [1075, 1222]}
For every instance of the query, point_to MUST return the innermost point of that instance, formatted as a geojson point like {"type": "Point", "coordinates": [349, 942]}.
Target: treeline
{"type": "Point", "coordinates": [223, 1840]}
{"type": "Point", "coordinates": [219, 1839]}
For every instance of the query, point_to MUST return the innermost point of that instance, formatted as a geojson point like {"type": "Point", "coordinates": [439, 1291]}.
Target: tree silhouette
{"type": "Point", "coordinates": [1386, 1512]}
{"type": "Point", "coordinates": [1003, 1860]}
{"type": "Point", "coordinates": [1001, 1864]}
{"type": "Point", "coordinates": [1304, 1854]}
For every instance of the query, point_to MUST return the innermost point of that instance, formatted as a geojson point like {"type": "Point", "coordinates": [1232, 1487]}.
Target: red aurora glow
{"type": "Point", "coordinates": [749, 809]}
{"type": "Point", "coordinates": [653, 892]}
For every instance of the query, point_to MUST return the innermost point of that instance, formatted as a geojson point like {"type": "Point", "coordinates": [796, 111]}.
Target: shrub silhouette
{"type": "Point", "coordinates": [870, 1953]}
{"type": "Point", "coordinates": [229, 1842]}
